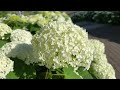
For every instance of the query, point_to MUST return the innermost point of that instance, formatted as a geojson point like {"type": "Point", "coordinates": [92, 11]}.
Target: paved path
{"type": "Point", "coordinates": [110, 36]}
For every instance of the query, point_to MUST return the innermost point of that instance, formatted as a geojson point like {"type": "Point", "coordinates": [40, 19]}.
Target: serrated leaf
{"type": "Point", "coordinates": [22, 71]}
{"type": "Point", "coordinates": [84, 73]}
{"type": "Point", "coordinates": [70, 74]}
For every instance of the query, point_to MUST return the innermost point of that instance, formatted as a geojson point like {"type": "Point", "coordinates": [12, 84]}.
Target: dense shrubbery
{"type": "Point", "coordinates": [110, 17]}
{"type": "Point", "coordinates": [57, 49]}
{"type": "Point", "coordinates": [34, 22]}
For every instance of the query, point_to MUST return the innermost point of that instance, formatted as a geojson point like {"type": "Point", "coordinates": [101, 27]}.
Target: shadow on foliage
{"type": "Point", "coordinates": [23, 71]}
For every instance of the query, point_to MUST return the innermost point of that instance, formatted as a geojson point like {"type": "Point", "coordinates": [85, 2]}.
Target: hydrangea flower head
{"type": "Point", "coordinates": [20, 50]}
{"type": "Point", "coordinates": [4, 29]}
{"type": "Point", "coordinates": [6, 65]}
{"type": "Point", "coordinates": [62, 43]}
{"type": "Point", "coordinates": [100, 67]}
{"type": "Point", "coordinates": [103, 70]}
{"type": "Point", "coordinates": [21, 35]}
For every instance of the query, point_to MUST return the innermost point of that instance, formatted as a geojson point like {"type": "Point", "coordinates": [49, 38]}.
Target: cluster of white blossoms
{"type": "Point", "coordinates": [62, 43]}
{"type": "Point", "coordinates": [2, 19]}
{"type": "Point", "coordinates": [99, 49]}
{"type": "Point", "coordinates": [10, 18]}
{"type": "Point", "coordinates": [61, 17]}
{"type": "Point", "coordinates": [4, 29]}
{"type": "Point", "coordinates": [6, 65]}
{"type": "Point", "coordinates": [100, 68]}
{"type": "Point", "coordinates": [34, 18]}
{"type": "Point", "coordinates": [58, 44]}
{"type": "Point", "coordinates": [20, 50]}
{"type": "Point", "coordinates": [21, 35]}
{"type": "Point", "coordinates": [20, 46]}
{"type": "Point", "coordinates": [24, 18]}
{"type": "Point", "coordinates": [41, 18]}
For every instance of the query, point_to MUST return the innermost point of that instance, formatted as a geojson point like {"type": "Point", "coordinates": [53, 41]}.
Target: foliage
{"type": "Point", "coordinates": [33, 22]}
{"type": "Point", "coordinates": [109, 17]}
{"type": "Point", "coordinates": [22, 71]}
{"type": "Point", "coordinates": [48, 45]}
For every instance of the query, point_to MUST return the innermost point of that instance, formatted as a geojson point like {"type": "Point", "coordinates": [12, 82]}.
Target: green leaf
{"type": "Point", "coordinates": [58, 76]}
{"type": "Point", "coordinates": [22, 71]}
{"type": "Point", "coordinates": [12, 75]}
{"type": "Point", "coordinates": [70, 74]}
{"type": "Point", "coordinates": [84, 73]}
{"type": "Point", "coordinates": [57, 73]}
{"type": "Point", "coordinates": [2, 43]}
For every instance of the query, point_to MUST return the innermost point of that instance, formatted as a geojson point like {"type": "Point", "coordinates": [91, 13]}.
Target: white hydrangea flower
{"type": "Point", "coordinates": [34, 18]}
{"type": "Point", "coordinates": [21, 35]}
{"type": "Point", "coordinates": [20, 50]}
{"type": "Point", "coordinates": [43, 21]}
{"type": "Point", "coordinates": [4, 29]}
{"type": "Point", "coordinates": [2, 19]}
{"type": "Point", "coordinates": [67, 16]}
{"type": "Point", "coordinates": [6, 65]}
{"type": "Point", "coordinates": [60, 18]}
{"type": "Point", "coordinates": [62, 43]}
{"type": "Point", "coordinates": [99, 46]}
{"type": "Point", "coordinates": [40, 19]}
{"type": "Point", "coordinates": [24, 18]}
{"type": "Point", "coordinates": [100, 67]}
{"type": "Point", "coordinates": [10, 15]}
{"type": "Point", "coordinates": [103, 70]}
{"type": "Point", "coordinates": [99, 49]}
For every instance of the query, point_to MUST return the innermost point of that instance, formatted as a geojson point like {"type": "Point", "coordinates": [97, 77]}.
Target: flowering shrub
{"type": "Point", "coordinates": [6, 65]}
{"type": "Point", "coordinates": [61, 44]}
{"type": "Point", "coordinates": [100, 67]}
{"type": "Point", "coordinates": [34, 22]}
{"type": "Point", "coordinates": [4, 29]}
{"type": "Point", "coordinates": [17, 49]}
{"type": "Point", "coordinates": [103, 70]}
{"type": "Point", "coordinates": [58, 48]}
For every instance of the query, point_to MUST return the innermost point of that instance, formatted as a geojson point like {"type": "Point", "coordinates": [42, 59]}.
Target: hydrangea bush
{"type": "Point", "coordinates": [60, 44]}
{"type": "Point", "coordinates": [58, 50]}
{"type": "Point", "coordinates": [100, 67]}
{"type": "Point", "coordinates": [35, 21]}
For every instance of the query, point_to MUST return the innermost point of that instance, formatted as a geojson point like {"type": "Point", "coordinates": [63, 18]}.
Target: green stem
{"type": "Point", "coordinates": [92, 75]}
{"type": "Point", "coordinates": [46, 76]}
{"type": "Point", "coordinates": [58, 76]}
{"type": "Point", "coordinates": [41, 72]}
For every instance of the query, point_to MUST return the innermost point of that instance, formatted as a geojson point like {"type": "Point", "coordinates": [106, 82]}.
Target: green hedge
{"type": "Point", "coordinates": [108, 17]}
